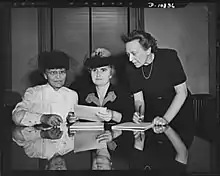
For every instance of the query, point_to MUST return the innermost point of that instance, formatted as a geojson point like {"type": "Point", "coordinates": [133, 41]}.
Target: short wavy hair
{"type": "Point", "coordinates": [146, 40]}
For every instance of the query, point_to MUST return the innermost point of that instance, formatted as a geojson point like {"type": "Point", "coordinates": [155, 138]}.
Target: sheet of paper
{"type": "Point", "coordinates": [88, 112]}
{"type": "Point", "coordinates": [87, 126]}
{"type": "Point", "coordinates": [133, 126]}
{"type": "Point", "coordinates": [86, 140]}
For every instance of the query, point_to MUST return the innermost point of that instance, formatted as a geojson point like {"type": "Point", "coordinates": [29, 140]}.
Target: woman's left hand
{"type": "Point", "coordinates": [159, 129]}
{"type": "Point", "coordinates": [160, 124]}
{"type": "Point", "coordinates": [160, 121]}
{"type": "Point", "coordinates": [105, 116]}
{"type": "Point", "coordinates": [105, 137]}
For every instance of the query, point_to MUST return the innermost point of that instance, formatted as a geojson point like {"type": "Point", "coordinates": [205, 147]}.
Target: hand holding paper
{"type": "Point", "coordinates": [105, 137]}
{"type": "Point", "coordinates": [139, 137]}
{"type": "Point", "coordinates": [106, 116]}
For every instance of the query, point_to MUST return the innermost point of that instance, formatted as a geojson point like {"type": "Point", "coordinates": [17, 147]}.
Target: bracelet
{"type": "Point", "coordinates": [112, 114]}
{"type": "Point", "coordinates": [166, 120]}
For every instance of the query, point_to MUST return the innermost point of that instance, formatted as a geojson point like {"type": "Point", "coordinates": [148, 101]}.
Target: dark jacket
{"type": "Point", "coordinates": [116, 99]}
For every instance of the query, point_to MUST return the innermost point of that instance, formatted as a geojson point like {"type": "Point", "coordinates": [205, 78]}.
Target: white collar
{"type": "Point", "coordinates": [52, 89]}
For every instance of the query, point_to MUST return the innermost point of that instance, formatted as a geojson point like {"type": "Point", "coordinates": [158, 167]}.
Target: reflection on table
{"type": "Point", "coordinates": [103, 149]}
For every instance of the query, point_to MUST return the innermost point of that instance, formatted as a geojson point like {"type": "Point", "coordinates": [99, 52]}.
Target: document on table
{"type": "Point", "coordinates": [86, 126]}
{"type": "Point", "coordinates": [130, 126]}
{"type": "Point", "coordinates": [86, 140]}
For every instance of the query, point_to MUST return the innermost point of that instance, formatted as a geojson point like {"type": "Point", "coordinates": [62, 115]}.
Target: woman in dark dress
{"type": "Point", "coordinates": [104, 94]}
{"type": "Point", "coordinates": [158, 83]}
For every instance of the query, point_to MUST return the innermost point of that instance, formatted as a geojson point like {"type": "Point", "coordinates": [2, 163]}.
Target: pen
{"type": "Point", "coordinates": [140, 120]}
{"type": "Point", "coordinates": [139, 113]}
{"type": "Point", "coordinates": [140, 136]}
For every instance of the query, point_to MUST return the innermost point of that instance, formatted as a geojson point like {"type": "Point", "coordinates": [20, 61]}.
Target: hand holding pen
{"type": "Point", "coordinates": [138, 117]}
{"type": "Point", "coordinates": [139, 137]}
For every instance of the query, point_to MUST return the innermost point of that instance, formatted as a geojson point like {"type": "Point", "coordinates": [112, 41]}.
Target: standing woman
{"type": "Point", "coordinates": [102, 92]}
{"type": "Point", "coordinates": [158, 83]}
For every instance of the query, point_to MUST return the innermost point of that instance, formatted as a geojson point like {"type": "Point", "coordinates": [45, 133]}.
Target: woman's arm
{"type": "Point", "coordinates": [182, 152]}
{"type": "Point", "coordinates": [123, 107]}
{"type": "Point", "coordinates": [139, 105]}
{"type": "Point", "coordinates": [116, 116]}
{"type": "Point", "coordinates": [23, 113]}
{"type": "Point", "coordinates": [139, 102]}
{"type": "Point", "coordinates": [179, 99]}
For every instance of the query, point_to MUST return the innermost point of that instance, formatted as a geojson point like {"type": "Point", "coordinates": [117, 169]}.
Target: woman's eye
{"type": "Point", "coordinates": [63, 72]}
{"type": "Point", "coordinates": [103, 69]}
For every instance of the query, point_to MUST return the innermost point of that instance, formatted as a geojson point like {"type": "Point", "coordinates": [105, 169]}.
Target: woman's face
{"type": "Point", "coordinates": [136, 53]}
{"type": "Point", "coordinates": [55, 77]}
{"type": "Point", "coordinates": [57, 163]}
{"type": "Point", "coordinates": [101, 75]}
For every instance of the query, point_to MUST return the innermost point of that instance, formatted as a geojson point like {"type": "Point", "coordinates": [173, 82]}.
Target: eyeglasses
{"type": "Point", "coordinates": [56, 72]}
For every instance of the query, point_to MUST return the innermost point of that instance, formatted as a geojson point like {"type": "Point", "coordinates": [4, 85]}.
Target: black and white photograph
{"type": "Point", "coordinates": [110, 85]}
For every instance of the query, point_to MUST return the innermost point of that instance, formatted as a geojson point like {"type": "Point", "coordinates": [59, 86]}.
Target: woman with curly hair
{"type": "Point", "coordinates": [158, 83]}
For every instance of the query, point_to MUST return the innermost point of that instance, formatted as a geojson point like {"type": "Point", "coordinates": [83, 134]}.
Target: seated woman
{"type": "Point", "coordinates": [49, 103]}
{"type": "Point", "coordinates": [102, 93]}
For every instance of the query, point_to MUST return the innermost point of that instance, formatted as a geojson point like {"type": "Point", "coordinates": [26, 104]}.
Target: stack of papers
{"type": "Point", "coordinates": [87, 140]}
{"type": "Point", "coordinates": [88, 112]}
{"type": "Point", "coordinates": [86, 126]}
{"type": "Point", "coordinates": [130, 126]}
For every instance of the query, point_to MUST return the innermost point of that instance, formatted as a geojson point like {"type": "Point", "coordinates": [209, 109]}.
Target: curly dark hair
{"type": "Point", "coordinates": [145, 39]}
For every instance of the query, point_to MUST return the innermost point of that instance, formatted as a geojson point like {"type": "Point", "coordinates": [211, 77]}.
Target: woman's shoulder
{"type": "Point", "coordinates": [167, 56]}
{"type": "Point", "coordinates": [36, 89]}
{"type": "Point", "coordinates": [69, 91]}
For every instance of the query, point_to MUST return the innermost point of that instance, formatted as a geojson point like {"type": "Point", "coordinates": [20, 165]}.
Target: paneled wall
{"type": "Point", "coordinates": [186, 30]}
{"type": "Point", "coordinates": [108, 24]}
{"type": "Point", "coordinates": [73, 34]}
{"type": "Point", "coordinates": [24, 46]}
{"type": "Point", "coordinates": [5, 42]}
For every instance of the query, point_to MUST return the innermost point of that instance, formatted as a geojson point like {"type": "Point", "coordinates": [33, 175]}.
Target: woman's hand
{"type": "Point", "coordinates": [106, 116]}
{"type": "Point", "coordinates": [53, 133]}
{"type": "Point", "coordinates": [116, 133]}
{"type": "Point", "coordinates": [71, 118]}
{"type": "Point", "coordinates": [160, 125]}
{"type": "Point", "coordinates": [159, 129]}
{"type": "Point", "coordinates": [51, 119]}
{"type": "Point", "coordinates": [137, 118]}
{"type": "Point", "coordinates": [139, 137]}
{"type": "Point", "coordinates": [160, 121]}
{"type": "Point", "coordinates": [105, 137]}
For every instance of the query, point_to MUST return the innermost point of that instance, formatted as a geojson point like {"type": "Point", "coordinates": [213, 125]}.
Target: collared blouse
{"type": "Point", "coordinates": [37, 147]}
{"type": "Point", "coordinates": [44, 99]}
